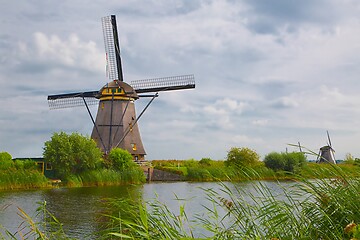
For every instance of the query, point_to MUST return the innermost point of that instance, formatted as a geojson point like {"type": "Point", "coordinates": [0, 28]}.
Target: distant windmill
{"type": "Point", "coordinates": [326, 153]}
{"type": "Point", "coordinates": [116, 122]}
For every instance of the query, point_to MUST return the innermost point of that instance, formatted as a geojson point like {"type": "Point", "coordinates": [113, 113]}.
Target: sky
{"type": "Point", "coordinates": [268, 73]}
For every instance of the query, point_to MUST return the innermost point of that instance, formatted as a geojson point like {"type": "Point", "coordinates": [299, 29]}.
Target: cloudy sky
{"type": "Point", "coordinates": [268, 73]}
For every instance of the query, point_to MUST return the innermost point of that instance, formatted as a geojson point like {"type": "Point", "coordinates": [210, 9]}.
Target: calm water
{"type": "Point", "coordinates": [79, 209]}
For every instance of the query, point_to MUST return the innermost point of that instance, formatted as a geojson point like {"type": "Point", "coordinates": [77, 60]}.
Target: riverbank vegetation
{"type": "Point", "coordinates": [244, 163]}
{"type": "Point", "coordinates": [79, 162]}
{"type": "Point", "coordinates": [19, 174]}
{"type": "Point", "coordinates": [76, 161]}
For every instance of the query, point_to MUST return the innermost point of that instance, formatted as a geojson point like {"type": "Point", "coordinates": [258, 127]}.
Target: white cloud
{"type": "Point", "coordinates": [266, 74]}
{"type": "Point", "coordinates": [286, 102]}
{"type": "Point", "coordinates": [71, 52]}
{"type": "Point", "coordinates": [244, 140]}
{"type": "Point", "coordinates": [260, 122]}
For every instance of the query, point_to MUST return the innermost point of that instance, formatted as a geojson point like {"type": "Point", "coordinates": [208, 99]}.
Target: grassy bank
{"type": "Point", "coordinates": [22, 179]}
{"type": "Point", "coordinates": [32, 179]}
{"type": "Point", "coordinates": [20, 174]}
{"type": "Point", "coordinates": [210, 170]}
{"type": "Point", "coordinates": [14, 178]}
{"type": "Point", "coordinates": [106, 177]}
{"type": "Point", "coordinates": [194, 170]}
{"type": "Point", "coordinates": [319, 171]}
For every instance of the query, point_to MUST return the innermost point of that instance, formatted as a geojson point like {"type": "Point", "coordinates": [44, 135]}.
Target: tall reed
{"type": "Point", "coordinates": [22, 179]}
{"type": "Point", "coordinates": [106, 177]}
{"type": "Point", "coordinates": [310, 209]}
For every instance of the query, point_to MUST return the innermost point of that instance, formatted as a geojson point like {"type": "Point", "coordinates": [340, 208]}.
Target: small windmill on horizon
{"type": "Point", "coordinates": [115, 124]}
{"type": "Point", "coordinates": [326, 153]}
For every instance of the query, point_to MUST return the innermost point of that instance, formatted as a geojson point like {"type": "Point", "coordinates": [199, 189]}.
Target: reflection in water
{"type": "Point", "coordinates": [81, 209]}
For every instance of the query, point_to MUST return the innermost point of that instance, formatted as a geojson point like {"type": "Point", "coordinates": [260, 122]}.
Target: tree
{"type": "Point", "coordinates": [71, 154]}
{"type": "Point", "coordinates": [275, 161]}
{"type": "Point", "coordinates": [6, 161]}
{"type": "Point", "coordinates": [289, 162]}
{"type": "Point", "coordinates": [242, 157]}
{"type": "Point", "coordinates": [121, 159]}
{"type": "Point", "coordinates": [205, 162]}
{"type": "Point", "coordinates": [294, 161]}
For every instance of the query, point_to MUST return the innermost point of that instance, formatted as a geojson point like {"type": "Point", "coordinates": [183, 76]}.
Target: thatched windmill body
{"type": "Point", "coordinates": [116, 120]}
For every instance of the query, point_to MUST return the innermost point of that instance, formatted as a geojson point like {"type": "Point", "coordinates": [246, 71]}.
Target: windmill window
{"type": "Point", "coordinates": [133, 145]}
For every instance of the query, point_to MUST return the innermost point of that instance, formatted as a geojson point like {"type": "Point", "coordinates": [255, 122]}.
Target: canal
{"type": "Point", "coordinates": [79, 209]}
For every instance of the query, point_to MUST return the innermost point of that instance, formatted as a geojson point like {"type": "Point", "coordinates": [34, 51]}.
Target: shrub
{"type": "Point", "coordinates": [6, 161]}
{"type": "Point", "coordinates": [25, 164]}
{"type": "Point", "coordinates": [242, 157]}
{"type": "Point", "coordinates": [71, 154]}
{"type": "Point", "coordinates": [190, 163]}
{"type": "Point", "coordinates": [121, 159]}
{"type": "Point", "coordinates": [290, 162]}
{"type": "Point", "coordinates": [205, 162]}
{"type": "Point", "coordinates": [294, 161]}
{"type": "Point", "coordinates": [275, 161]}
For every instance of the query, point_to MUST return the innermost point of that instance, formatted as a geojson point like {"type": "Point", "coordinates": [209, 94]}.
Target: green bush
{"type": "Point", "coordinates": [294, 161]}
{"type": "Point", "coordinates": [275, 161]}
{"type": "Point", "coordinates": [242, 157]}
{"type": "Point", "coordinates": [5, 157]}
{"type": "Point", "coordinates": [190, 163]}
{"type": "Point", "coordinates": [6, 161]}
{"type": "Point", "coordinates": [290, 162]}
{"type": "Point", "coordinates": [72, 154]}
{"type": "Point", "coordinates": [121, 159]}
{"type": "Point", "coordinates": [25, 164]}
{"type": "Point", "coordinates": [205, 161]}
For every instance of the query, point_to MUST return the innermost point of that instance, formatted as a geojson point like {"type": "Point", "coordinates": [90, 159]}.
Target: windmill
{"type": "Point", "coordinates": [115, 124]}
{"type": "Point", "coordinates": [326, 153]}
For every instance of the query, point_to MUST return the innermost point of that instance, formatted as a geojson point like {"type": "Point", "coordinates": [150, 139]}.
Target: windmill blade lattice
{"type": "Point", "coordinates": [164, 84]}
{"type": "Point", "coordinates": [70, 100]}
{"type": "Point", "coordinates": [112, 48]}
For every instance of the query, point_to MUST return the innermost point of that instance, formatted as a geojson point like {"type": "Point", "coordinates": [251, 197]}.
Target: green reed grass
{"type": "Point", "coordinates": [22, 179]}
{"type": "Point", "coordinates": [310, 209]}
{"type": "Point", "coordinates": [106, 177]}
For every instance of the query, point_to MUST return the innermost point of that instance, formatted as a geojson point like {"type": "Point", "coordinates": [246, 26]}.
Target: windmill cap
{"type": "Point", "coordinates": [128, 91]}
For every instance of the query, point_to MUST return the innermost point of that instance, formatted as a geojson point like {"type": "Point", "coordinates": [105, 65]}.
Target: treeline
{"type": "Point", "coordinates": [245, 163]}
